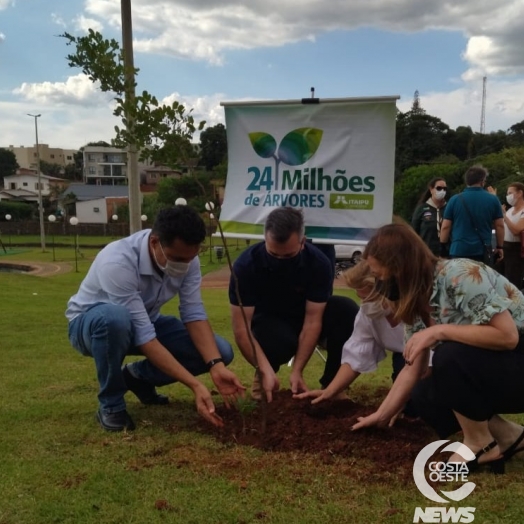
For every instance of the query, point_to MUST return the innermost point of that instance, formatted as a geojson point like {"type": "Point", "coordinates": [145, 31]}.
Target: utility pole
{"type": "Point", "coordinates": [483, 110]}
{"type": "Point", "coordinates": [39, 182]}
{"type": "Point", "coordinates": [132, 155]}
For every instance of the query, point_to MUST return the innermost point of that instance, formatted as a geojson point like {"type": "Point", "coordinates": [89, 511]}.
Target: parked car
{"type": "Point", "coordinates": [349, 252]}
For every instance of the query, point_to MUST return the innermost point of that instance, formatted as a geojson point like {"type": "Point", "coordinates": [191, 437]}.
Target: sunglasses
{"type": "Point", "coordinates": [440, 188]}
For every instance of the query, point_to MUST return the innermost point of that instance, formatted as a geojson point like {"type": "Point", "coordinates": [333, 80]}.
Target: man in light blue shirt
{"type": "Point", "coordinates": [116, 312]}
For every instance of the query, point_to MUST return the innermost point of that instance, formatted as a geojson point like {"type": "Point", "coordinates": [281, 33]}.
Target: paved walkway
{"type": "Point", "coordinates": [40, 269]}
{"type": "Point", "coordinates": [220, 279]}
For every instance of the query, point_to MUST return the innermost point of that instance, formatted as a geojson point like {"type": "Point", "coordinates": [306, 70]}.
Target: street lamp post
{"type": "Point", "coordinates": [143, 218]}
{"type": "Point", "coordinates": [52, 219]}
{"type": "Point", "coordinates": [8, 218]}
{"type": "Point", "coordinates": [74, 222]}
{"type": "Point", "coordinates": [40, 205]}
{"type": "Point", "coordinates": [209, 207]}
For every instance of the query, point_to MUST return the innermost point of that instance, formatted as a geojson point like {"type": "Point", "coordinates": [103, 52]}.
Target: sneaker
{"type": "Point", "coordinates": [145, 391]}
{"type": "Point", "coordinates": [256, 387]}
{"type": "Point", "coordinates": [115, 421]}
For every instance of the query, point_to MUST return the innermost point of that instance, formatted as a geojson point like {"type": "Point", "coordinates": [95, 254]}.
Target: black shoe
{"type": "Point", "coordinates": [145, 391]}
{"type": "Point", "coordinates": [514, 448]}
{"type": "Point", "coordinates": [496, 466]}
{"type": "Point", "coordinates": [115, 421]}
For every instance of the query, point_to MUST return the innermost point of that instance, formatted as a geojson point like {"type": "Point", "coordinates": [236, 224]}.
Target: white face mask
{"type": "Point", "coordinates": [372, 309]}
{"type": "Point", "coordinates": [440, 195]}
{"type": "Point", "coordinates": [172, 269]}
{"type": "Point", "coordinates": [510, 199]}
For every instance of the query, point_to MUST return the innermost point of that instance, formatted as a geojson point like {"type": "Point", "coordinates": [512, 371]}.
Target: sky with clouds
{"type": "Point", "coordinates": [203, 52]}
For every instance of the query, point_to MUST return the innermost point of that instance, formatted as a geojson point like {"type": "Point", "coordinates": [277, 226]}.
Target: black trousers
{"type": "Point", "coordinates": [513, 264]}
{"type": "Point", "coordinates": [278, 336]}
{"type": "Point", "coordinates": [477, 383]}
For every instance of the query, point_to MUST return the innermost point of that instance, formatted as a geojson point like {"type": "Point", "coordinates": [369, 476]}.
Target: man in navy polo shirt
{"type": "Point", "coordinates": [285, 287]}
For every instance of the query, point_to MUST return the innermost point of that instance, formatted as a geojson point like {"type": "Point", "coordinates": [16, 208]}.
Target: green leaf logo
{"type": "Point", "coordinates": [299, 145]}
{"type": "Point", "coordinates": [263, 144]}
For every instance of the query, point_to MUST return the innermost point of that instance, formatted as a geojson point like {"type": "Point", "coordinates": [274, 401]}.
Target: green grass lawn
{"type": "Point", "coordinates": [58, 466]}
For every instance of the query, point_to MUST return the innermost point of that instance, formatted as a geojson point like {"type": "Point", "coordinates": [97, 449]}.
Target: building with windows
{"type": "Point", "coordinates": [27, 157]}
{"type": "Point", "coordinates": [24, 186]}
{"type": "Point", "coordinates": [105, 165]}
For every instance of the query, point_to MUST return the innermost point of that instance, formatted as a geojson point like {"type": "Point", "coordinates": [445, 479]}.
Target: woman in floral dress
{"type": "Point", "coordinates": [473, 319]}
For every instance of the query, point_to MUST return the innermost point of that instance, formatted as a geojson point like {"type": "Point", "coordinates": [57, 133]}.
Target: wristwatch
{"type": "Point", "coordinates": [214, 361]}
{"type": "Point", "coordinates": [499, 247]}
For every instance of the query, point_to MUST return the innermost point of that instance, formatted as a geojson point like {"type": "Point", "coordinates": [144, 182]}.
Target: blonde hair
{"type": "Point", "coordinates": [359, 276]}
{"type": "Point", "coordinates": [405, 256]}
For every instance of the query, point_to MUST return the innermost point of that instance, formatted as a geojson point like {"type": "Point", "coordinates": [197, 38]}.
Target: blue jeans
{"type": "Point", "coordinates": [106, 333]}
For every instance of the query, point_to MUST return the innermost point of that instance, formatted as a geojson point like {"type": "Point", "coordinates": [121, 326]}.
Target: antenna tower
{"type": "Point", "coordinates": [483, 111]}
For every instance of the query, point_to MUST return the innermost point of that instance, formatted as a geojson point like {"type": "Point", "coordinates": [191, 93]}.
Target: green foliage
{"type": "Point", "coordinates": [17, 210]}
{"type": "Point", "coordinates": [196, 190]}
{"type": "Point", "coordinates": [8, 164]}
{"type": "Point", "coordinates": [51, 169]}
{"type": "Point", "coordinates": [420, 138]}
{"type": "Point", "coordinates": [147, 125]}
{"type": "Point", "coordinates": [213, 146]}
{"type": "Point", "coordinates": [413, 184]}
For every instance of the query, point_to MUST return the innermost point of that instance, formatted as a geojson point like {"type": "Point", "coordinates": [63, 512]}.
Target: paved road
{"type": "Point", "coordinates": [220, 279]}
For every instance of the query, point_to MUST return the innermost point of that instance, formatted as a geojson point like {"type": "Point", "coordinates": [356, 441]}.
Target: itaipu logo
{"type": "Point", "coordinates": [441, 472]}
{"type": "Point", "coordinates": [295, 149]}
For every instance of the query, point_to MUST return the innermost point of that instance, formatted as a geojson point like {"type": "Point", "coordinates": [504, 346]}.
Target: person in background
{"type": "Point", "coordinates": [375, 331]}
{"type": "Point", "coordinates": [469, 218]}
{"type": "Point", "coordinates": [513, 226]}
{"type": "Point", "coordinates": [284, 287]}
{"type": "Point", "coordinates": [473, 319]}
{"type": "Point", "coordinates": [116, 313]}
{"type": "Point", "coordinates": [429, 213]}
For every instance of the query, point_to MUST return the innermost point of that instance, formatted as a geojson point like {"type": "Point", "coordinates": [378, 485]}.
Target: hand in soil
{"type": "Point", "coordinates": [228, 384]}
{"type": "Point", "coordinates": [205, 406]}
{"type": "Point", "coordinates": [371, 420]}
{"type": "Point", "coordinates": [318, 395]}
{"type": "Point", "coordinates": [296, 381]}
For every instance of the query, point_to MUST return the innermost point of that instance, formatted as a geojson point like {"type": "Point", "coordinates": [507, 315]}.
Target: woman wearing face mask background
{"type": "Point", "coordinates": [429, 212]}
{"type": "Point", "coordinates": [374, 332]}
{"type": "Point", "coordinates": [513, 225]}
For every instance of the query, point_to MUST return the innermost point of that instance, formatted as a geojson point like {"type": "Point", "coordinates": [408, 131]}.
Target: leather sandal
{"type": "Point", "coordinates": [496, 466]}
{"type": "Point", "coordinates": [514, 448]}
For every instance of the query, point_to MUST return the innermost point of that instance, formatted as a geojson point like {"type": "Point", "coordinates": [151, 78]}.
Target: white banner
{"type": "Point", "coordinates": [333, 159]}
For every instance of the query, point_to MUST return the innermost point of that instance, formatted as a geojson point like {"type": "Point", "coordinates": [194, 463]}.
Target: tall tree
{"type": "Point", "coordinates": [153, 124]}
{"type": "Point", "coordinates": [213, 146]}
{"type": "Point", "coordinates": [8, 164]}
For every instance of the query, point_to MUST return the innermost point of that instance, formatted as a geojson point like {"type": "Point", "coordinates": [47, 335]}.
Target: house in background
{"type": "Point", "coordinates": [99, 210]}
{"type": "Point", "coordinates": [151, 176]}
{"type": "Point", "coordinates": [96, 204]}
{"type": "Point", "coordinates": [23, 186]}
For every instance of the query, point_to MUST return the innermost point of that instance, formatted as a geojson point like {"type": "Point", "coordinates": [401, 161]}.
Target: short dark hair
{"type": "Point", "coordinates": [475, 175]}
{"type": "Point", "coordinates": [181, 222]}
{"type": "Point", "coordinates": [282, 222]}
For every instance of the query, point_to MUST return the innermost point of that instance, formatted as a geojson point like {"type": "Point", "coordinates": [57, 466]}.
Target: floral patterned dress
{"type": "Point", "coordinates": [469, 292]}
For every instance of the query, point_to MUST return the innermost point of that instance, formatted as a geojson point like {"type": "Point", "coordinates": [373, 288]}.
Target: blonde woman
{"type": "Point", "coordinates": [375, 330]}
{"type": "Point", "coordinates": [513, 226]}
{"type": "Point", "coordinates": [473, 317]}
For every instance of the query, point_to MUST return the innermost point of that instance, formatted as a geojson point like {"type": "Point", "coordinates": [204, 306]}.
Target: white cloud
{"type": "Point", "coordinates": [84, 24]}
{"type": "Point", "coordinates": [206, 29]}
{"type": "Point", "coordinates": [4, 4]}
{"type": "Point", "coordinates": [58, 20]}
{"type": "Point", "coordinates": [76, 90]}
{"type": "Point", "coordinates": [2, 37]}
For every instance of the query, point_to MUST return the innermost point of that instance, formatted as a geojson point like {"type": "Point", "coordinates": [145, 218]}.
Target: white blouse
{"type": "Point", "coordinates": [368, 344]}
